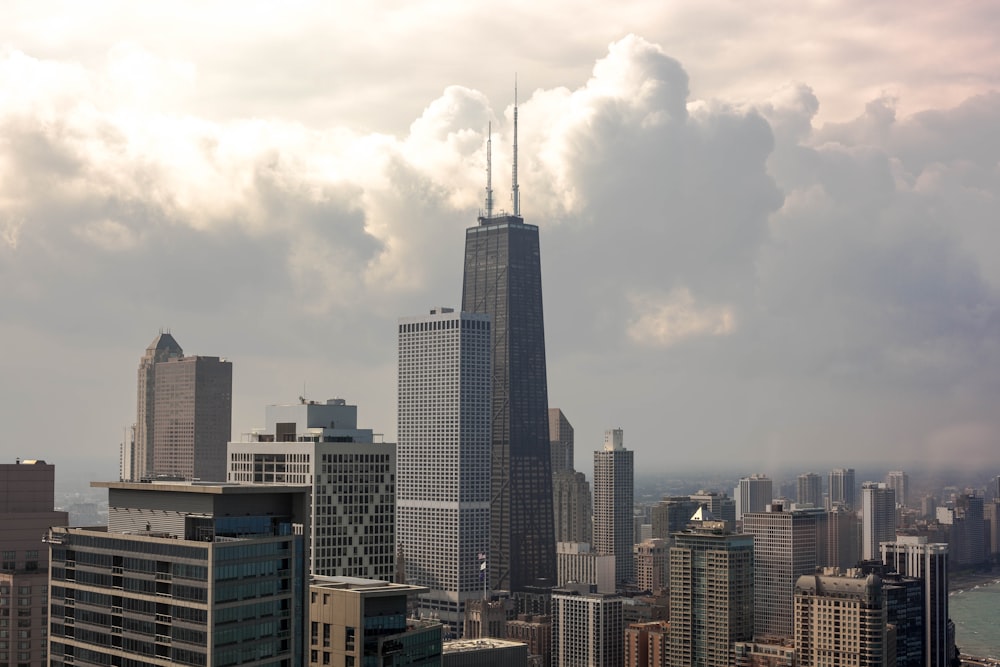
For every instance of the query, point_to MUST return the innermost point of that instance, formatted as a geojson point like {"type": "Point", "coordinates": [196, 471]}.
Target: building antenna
{"type": "Point", "coordinates": [489, 173]}
{"type": "Point", "coordinates": [515, 191]}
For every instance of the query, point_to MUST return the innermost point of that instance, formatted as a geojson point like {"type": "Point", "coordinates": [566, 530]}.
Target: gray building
{"type": "Point", "coordinates": [486, 652]}
{"type": "Point", "coordinates": [810, 490]}
{"type": "Point", "coordinates": [614, 474]}
{"type": "Point", "coordinates": [753, 494]}
{"type": "Point", "coordinates": [26, 512]}
{"type": "Point", "coordinates": [786, 546]}
{"type": "Point", "coordinates": [842, 488]}
{"type": "Point", "coordinates": [560, 441]}
{"type": "Point", "coordinates": [914, 557]}
{"type": "Point", "coordinates": [185, 573]}
{"type": "Point", "coordinates": [878, 518]}
{"type": "Point", "coordinates": [587, 629]}
{"type": "Point", "coordinates": [183, 416]}
{"type": "Point", "coordinates": [443, 478]}
{"type": "Point", "coordinates": [711, 595]}
{"type": "Point", "coordinates": [503, 279]}
{"type": "Point", "coordinates": [352, 483]}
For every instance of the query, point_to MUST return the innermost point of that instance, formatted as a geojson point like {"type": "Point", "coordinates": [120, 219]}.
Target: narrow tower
{"type": "Point", "coordinates": [503, 279]}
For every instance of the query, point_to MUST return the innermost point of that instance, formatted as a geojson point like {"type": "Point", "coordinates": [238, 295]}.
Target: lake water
{"type": "Point", "coordinates": [976, 611]}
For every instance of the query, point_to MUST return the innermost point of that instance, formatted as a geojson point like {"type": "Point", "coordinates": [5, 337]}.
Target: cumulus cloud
{"type": "Point", "coordinates": [661, 321]}
{"type": "Point", "coordinates": [732, 267]}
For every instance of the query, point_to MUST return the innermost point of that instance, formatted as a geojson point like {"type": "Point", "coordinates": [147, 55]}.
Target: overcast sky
{"type": "Point", "coordinates": [769, 236]}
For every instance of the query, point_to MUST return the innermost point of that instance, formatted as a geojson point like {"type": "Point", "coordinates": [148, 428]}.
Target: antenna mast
{"type": "Point", "coordinates": [515, 192]}
{"type": "Point", "coordinates": [489, 173]}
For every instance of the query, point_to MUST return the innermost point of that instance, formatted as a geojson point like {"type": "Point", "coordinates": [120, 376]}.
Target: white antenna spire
{"type": "Point", "coordinates": [489, 173]}
{"type": "Point", "coordinates": [515, 192]}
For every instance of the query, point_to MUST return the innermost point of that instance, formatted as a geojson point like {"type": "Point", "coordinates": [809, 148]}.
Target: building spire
{"type": "Point", "coordinates": [489, 173]}
{"type": "Point", "coordinates": [515, 191]}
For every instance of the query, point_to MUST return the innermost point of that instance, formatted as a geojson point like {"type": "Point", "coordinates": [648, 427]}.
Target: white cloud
{"type": "Point", "coordinates": [665, 320]}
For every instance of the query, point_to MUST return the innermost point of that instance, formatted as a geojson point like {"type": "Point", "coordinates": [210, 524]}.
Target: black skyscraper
{"type": "Point", "coordinates": [503, 278]}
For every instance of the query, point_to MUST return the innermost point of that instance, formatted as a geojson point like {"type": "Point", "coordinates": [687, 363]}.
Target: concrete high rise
{"type": "Point", "coordinates": [443, 479]}
{"type": "Point", "coordinates": [810, 490]}
{"type": "Point", "coordinates": [572, 503]}
{"type": "Point", "coordinates": [651, 558]}
{"type": "Point", "coordinates": [614, 474]}
{"type": "Point", "coordinates": [560, 441]}
{"type": "Point", "coordinates": [843, 538]}
{"type": "Point", "coordinates": [364, 622]}
{"type": "Point", "coordinates": [786, 546]}
{"type": "Point", "coordinates": [711, 595]}
{"type": "Point", "coordinates": [193, 421]}
{"type": "Point", "coordinates": [915, 557]}
{"type": "Point", "coordinates": [587, 629]}
{"type": "Point", "coordinates": [26, 512]}
{"type": "Point", "coordinates": [899, 481]}
{"type": "Point", "coordinates": [503, 279]}
{"type": "Point", "coordinates": [878, 518]}
{"type": "Point", "coordinates": [352, 530]}
{"type": "Point", "coordinates": [185, 573]}
{"type": "Point", "coordinates": [163, 348]}
{"type": "Point", "coordinates": [842, 488]}
{"type": "Point", "coordinates": [840, 621]}
{"type": "Point", "coordinates": [753, 494]}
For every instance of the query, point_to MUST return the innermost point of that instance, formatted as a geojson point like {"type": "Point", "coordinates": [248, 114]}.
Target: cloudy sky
{"type": "Point", "coordinates": [769, 236]}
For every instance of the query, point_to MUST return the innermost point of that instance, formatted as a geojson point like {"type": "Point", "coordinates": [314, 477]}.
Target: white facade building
{"type": "Point", "coordinates": [587, 629]}
{"type": "Point", "coordinates": [443, 485]}
{"type": "Point", "coordinates": [577, 564]}
{"type": "Point", "coordinates": [352, 504]}
{"type": "Point", "coordinates": [614, 474]}
{"type": "Point", "coordinates": [878, 518]}
{"type": "Point", "coordinates": [753, 494]}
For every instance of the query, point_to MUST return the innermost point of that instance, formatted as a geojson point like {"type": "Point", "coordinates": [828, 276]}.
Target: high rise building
{"type": "Point", "coordinates": [577, 563]}
{"type": "Point", "coordinates": [711, 595]}
{"type": "Point", "coordinates": [443, 480]}
{"type": "Point", "coordinates": [193, 420]}
{"type": "Point", "coordinates": [878, 518]}
{"type": "Point", "coordinates": [671, 515]}
{"type": "Point", "coordinates": [651, 557]}
{"type": "Point", "coordinates": [614, 474]}
{"type": "Point", "coordinates": [905, 611]}
{"type": "Point", "coordinates": [185, 573]}
{"type": "Point", "coordinates": [842, 488]}
{"type": "Point", "coordinates": [26, 512]}
{"type": "Point", "coordinates": [786, 546]}
{"type": "Point", "coordinates": [535, 630]}
{"type": "Point", "coordinates": [719, 504]}
{"type": "Point", "coordinates": [753, 494]}
{"type": "Point", "coordinates": [587, 629]}
{"type": "Point", "coordinates": [573, 507]}
{"type": "Point", "coordinates": [843, 533]}
{"type": "Point", "coordinates": [840, 620]}
{"type": "Point", "coordinates": [163, 348]}
{"type": "Point", "coordinates": [810, 490]}
{"type": "Point", "coordinates": [899, 481]}
{"type": "Point", "coordinates": [646, 644]}
{"type": "Point", "coordinates": [914, 557]}
{"type": "Point", "coordinates": [356, 621]}
{"type": "Point", "coordinates": [352, 530]}
{"type": "Point", "coordinates": [560, 441]}
{"type": "Point", "coordinates": [503, 279]}
{"type": "Point", "coordinates": [969, 543]}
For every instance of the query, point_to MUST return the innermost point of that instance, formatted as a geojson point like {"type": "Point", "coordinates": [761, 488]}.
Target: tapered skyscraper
{"type": "Point", "coordinates": [503, 279]}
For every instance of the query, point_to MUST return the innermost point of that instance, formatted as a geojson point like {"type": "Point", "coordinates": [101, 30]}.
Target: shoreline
{"type": "Point", "coordinates": [965, 580]}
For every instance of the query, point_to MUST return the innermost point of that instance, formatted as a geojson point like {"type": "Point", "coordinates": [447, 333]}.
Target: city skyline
{"type": "Point", "coordinates": [780, 248]}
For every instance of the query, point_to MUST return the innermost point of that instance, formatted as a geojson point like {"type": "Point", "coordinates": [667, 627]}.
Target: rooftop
{"type": "Point", "coordinates": [215, 488]}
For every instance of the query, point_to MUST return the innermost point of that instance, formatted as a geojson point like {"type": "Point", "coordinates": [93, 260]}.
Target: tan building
{"type": "Point", "coordinates": [354, 622]}
{"type": "Point", "coordinates": [536, 632]}
{"type": "Point", "coordinates": [26, 513]}
{"type": "Point", "coordinates": [577, 564]}
{"type": "Point", "coordinates": [840, 621]}
{"type": "Point", "coordinates": [779, 653]}
{"type": "Point", "coordinates": [646, 644]}
{"type": "Point", "coordinates": [651, 559]}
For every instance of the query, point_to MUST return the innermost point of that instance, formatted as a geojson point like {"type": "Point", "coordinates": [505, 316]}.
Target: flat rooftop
{"type": "Point", "coordinates": [215, 488]}
{"type": "Point", "coordinates": [483, 644]}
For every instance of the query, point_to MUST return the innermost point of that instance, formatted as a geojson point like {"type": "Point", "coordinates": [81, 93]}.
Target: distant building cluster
{"type": "Point", "coordinates": [473, 540]}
